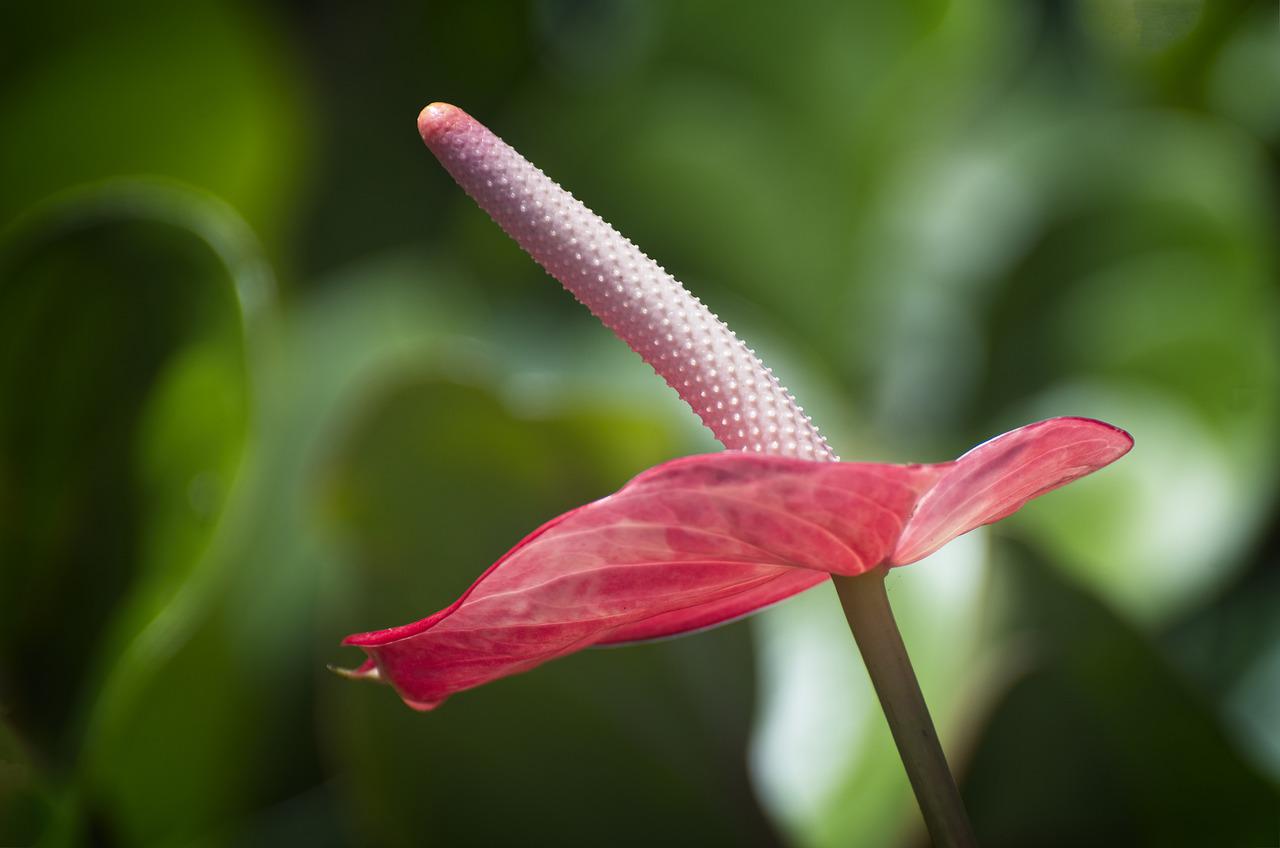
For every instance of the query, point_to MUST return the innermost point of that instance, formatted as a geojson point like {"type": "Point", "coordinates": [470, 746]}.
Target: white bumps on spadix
{"type": "Point", "coordinates": [724, 382]}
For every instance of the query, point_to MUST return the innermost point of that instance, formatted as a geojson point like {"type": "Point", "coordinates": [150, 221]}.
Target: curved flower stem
{"type": "Point", "coordinates": [866, 606]}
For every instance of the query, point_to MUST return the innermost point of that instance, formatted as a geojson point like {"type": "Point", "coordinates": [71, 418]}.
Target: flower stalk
{"type": "Point", "coordinates": [866, 606]}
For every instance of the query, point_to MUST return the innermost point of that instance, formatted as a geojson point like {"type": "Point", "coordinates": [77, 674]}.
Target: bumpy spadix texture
{"type": "Point", "coordinates": [705, 539]}
{"type": "Point", "coordinates": [729, 388]}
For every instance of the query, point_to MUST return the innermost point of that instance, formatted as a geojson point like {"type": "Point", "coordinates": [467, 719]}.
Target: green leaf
{"type": "Point", "coordinates": [1102, 739]}
{"type": "Point", "coordinates": [26, 803]}
{"type": "Point", "coordinates": [126, 395]}
{"type": "Point", "coordinates": [125, 402]}
{"type": "Point", "coordinates": [199, 93]}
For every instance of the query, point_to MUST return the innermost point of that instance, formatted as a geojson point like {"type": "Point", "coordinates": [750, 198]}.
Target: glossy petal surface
{"type": "Point", "coordinates": [705, 539]}
{"type": "Point", "coordinates": [997, 477]}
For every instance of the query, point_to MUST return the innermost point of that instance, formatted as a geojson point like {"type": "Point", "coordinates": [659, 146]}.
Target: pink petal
{"type": "Point", "coordinates": [790, 581]}
{"type": "Point", "coordinates": [997, 477]}
{"type": "Point", "coordinates": [686, 544]}
{"type": "Point", "coordinates": [705, 539]}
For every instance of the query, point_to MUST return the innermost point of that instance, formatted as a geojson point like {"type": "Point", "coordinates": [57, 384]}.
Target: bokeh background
{"type": "Point", "coordinates": [267, 378]}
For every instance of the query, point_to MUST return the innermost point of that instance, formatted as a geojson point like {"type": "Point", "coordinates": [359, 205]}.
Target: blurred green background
{"type": "Point", "coordinates": [268, 378]}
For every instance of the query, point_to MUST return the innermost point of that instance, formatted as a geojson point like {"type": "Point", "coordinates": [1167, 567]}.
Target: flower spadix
{"type": "Point", "coordinates": [722, 379]}
{"type": "Point", "coordinates": [701, 540]}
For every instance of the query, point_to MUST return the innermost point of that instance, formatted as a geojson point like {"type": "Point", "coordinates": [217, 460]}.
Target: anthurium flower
{"type": "Point", "coordinates": [701, 540]}
{"type": "Point", "coordinates": [705, 539]}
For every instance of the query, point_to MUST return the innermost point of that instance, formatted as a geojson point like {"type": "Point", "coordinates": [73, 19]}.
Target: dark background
{"type": "Point", "coordinates": [267, 378]}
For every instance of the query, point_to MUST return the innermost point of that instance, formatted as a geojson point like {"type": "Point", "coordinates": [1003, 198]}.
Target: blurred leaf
{"type": "Point", "coordinates": [118, 312]}
{"type": "Point", "coordinates": [129, 307]}
{"type": "Point", "coordinates": [1143, 24]}
{"type": "Point", "coordinates": [1231, 647]}
{"type": "Point", "coordinates": [371, 71]}
{"type": "Point", "coordinates": [198, 92]}
{"type": "Point", "coordinates": [1254, 706]}
{"type": "Point", "coordinates": [1101, 723]}
{"type": "Point", "coordinates": [25, 801]}
{"type": "Point", "coordinates": [240, 626]}
{"type": "Point", "coordinates": [1245, 70]}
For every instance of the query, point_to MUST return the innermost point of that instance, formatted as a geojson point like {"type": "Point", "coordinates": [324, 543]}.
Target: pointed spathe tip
{"type": "Point", "coordinates": [367, 671]}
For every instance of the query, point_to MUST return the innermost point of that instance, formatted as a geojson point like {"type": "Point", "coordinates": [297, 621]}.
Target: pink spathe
{"type": "Point", "coordinates": [703, 540]}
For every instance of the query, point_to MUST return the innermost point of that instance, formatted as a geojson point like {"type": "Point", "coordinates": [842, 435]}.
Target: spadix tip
{"type": "Point", "coordinates": [436, 118]}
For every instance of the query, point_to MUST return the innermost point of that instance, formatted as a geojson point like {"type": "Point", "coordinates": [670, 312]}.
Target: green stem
{"type": "Point", "coordinates": [866, 606]}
